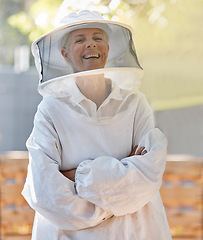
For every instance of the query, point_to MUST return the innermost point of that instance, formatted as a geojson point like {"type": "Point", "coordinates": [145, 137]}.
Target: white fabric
{"type": "Point", "coordinates": [125, 78]}
{"type": "Point", "coordinates": [114, 197]}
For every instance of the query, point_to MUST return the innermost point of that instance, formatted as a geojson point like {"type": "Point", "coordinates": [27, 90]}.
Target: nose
{"type": "Point", "coordinates": [90, 44]}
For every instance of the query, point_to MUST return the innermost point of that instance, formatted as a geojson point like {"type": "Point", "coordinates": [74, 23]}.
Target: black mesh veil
{"type": "Point", "coordinates": [122, 64]}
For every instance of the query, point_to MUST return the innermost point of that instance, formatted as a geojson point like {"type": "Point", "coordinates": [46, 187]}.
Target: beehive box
{"type": "Point", "coordinates": [182, 195]}
{"type": "Point", "coordinates": [16, 217]}
{"type": "Point", "coordinates": [181, 192]}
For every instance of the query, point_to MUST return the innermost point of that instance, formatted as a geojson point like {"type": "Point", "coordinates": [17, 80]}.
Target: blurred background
{"type": "Point", "coordinates": [169, 42]}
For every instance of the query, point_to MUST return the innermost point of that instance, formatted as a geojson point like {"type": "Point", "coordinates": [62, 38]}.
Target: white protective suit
{"type": "Point", "coordinates": [114, 197]}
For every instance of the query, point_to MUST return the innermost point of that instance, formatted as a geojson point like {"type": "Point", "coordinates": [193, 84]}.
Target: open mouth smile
{"type": "Point", "coordinates": [92, 56]}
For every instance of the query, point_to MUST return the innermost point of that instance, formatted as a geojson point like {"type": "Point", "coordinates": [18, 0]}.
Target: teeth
{"type": "Point", "coordinates": [92, 56]}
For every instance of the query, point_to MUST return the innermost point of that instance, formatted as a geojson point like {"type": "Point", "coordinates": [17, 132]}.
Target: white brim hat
{"type": "Point", "coordinates": [47, 49]}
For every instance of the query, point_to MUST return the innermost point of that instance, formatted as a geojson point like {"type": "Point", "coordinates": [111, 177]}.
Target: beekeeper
{"type": "Point", "coordinates": [95, 158]}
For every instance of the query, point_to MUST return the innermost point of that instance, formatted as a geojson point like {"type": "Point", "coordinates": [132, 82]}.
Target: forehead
{"type": "Point", "coordinates": [86, 31]}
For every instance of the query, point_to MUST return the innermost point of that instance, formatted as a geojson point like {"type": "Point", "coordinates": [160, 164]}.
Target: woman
{"type": "Point", "coordinates": [96, 159]}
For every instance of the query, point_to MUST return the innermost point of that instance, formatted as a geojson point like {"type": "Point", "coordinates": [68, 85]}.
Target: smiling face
{"type": "Point", "coordinates": [86, 49]}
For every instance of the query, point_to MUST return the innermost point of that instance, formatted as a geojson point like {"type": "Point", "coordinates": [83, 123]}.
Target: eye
{"type": "Point", "coordinates": [98, 39]}
{"type": "Point", "coordinates": [79, 40]}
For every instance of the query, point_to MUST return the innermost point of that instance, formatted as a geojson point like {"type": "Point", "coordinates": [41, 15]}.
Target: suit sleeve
{"type": "Point", "coordinates": [47, 191]}
{"type": "Point", "coordinates": [124, 186]}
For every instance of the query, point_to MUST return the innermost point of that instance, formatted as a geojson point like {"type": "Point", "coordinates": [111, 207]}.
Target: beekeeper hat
{"type": "Point", "coordinates": [47, 49]}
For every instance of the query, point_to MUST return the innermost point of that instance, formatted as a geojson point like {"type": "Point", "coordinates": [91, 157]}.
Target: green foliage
{"type": "Point", "coordinates": [168, 22]}
{"type": "Point", "coordinates": [22, 21]}
{"type": "Point", "coordinates": [29, 23]}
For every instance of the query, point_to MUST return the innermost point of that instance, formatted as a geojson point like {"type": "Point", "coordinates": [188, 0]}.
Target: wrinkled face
{"type": "Point", "coordinates": [86, 49]}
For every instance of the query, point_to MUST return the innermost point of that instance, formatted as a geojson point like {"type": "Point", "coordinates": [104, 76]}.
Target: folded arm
{"type": "Point", "coordinates": [70, 174]}
{"type": "Point", "coordinates": [125, 186]}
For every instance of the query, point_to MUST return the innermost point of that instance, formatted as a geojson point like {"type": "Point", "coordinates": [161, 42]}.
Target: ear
{"type": "Point", "coordinates": [65, 54]}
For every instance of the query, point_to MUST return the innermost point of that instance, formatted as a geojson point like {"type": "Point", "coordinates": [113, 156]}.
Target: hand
{"type": "Point", "coordinates": [140, 151]}
{"type": "Point", "coordinates": [70, 174]}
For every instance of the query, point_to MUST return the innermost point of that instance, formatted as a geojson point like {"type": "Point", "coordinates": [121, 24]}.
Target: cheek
{"type": "Point", "coordinates": [106, 49]}
{"type": "Point", "coordinates": [76, 55]}
{"type": "Point", "coordinates": [76, 50]}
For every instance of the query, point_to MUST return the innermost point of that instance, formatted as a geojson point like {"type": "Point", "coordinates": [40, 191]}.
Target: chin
{"type": "Point", "coordinates": [95, 67]}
